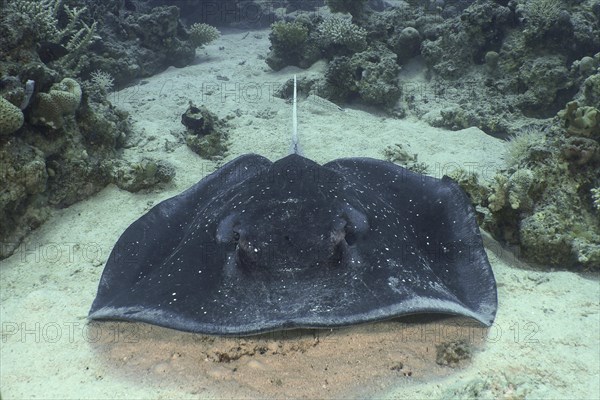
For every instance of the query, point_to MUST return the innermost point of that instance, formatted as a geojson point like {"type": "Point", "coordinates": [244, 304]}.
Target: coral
{"type": "Point", "coordinates": [491, 60]}
{"type": "Point", "coordinates": [520, 184]}
{"type": "Point", "coordinates": [581, 120]}
{"type": "Point", "coordinates": [11, 117]}
{"type": "Point", "coordinates": [397, 154]}
{"type": "Point", "coordinates": [23, 178]}
{"type": "Point", "coordinates": [103, 126]}
{"type": "Point", "coordinates": [514, 191]}
{"type": "Point", "coordinates": [290, 45]}
{"type": "Point", "coordinates": [544, 78]}
{"type": "Point", "coordinates": [353, 7]}
{"type": "Point", "coordinates": [206, 134]}
{"type": "Point", "coordinates": [42, 15]}
{"type": "Point", "coordinates": [50, 108]}
{"type": "Point", "coordinates": [455, 118]}
{"type": "Point", "coordinates": [147, 173]}
{"type": "Point", "coordinates": [159, 31]}
{"type": "Point", "coordinates": [371, 74]}
{"type": "Point", "coordinates": [210, 147]}
{"type": "Point", "coordinates": [288, 34]}
{"type": "Point", "coordinates": [202, 34]}
{"type": "Point", "coordinates": [337, 35]}
{"type": "Point", "coordinates": [520, 144]}
{"type": "Point", "coordinates": [499, 193]}
{"type": "Point", "coordinates": [199, 120]}
{"type": "Point", "coordinates": [543, 236]}
{"type": "Point", "coordinates": [545, 201]}
{"type": "Point", "coordinates": [406, 44]}
{"type": "Point", "coordinates": [102, 81]}
{"type": "Point", "coordinates": [587, 65]}
{"type": "Point", "coordinates": [596, 197]}
{"type": "Point", "coordinates": [75, 57]}
{"type": "Point", "coordinates": [581, 150]}
{"type": "Point", "coordinates": [546, 20]}
{"type": "Point", "coordinates": [459, 43]}
{"type": "Point", "coordinates": [136, 44]}
{"type": "Point", "coordinates": [542, 13]}
{"type": "Point", "coordinates": [591, 89]}
{"type": "Point", "coordinates": [469, 182]}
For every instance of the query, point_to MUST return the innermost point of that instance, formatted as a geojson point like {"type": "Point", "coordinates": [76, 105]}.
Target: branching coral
{"type": "Point", "coordinates": [202, 34]}
{"type": "Point", "coordinates": [44, 19]}
{"type": "Point", "coordinates": [42, 14]}
{"type": "Point", "coordinates": [542, 13]}
{"type": "Point", "coordinates": [337, 32]}
{"type": "Point", "coordinates": [102, 80]}
{"type": "Point", "coordinates": [44, 23]}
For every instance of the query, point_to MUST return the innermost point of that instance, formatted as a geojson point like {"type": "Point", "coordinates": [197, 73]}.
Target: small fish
{"type": "Point", "coordinates": [50, 51]}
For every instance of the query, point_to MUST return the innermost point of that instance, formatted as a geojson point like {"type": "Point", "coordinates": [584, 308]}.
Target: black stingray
{"type": "Point", "coordinates": [259, 246]}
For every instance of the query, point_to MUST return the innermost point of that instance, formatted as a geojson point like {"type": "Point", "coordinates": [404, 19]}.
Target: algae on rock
{"type": "Point", "coordinates": [206, 135]}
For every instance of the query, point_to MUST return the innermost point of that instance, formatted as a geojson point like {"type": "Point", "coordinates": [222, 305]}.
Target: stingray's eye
{"type": "Point", "coordinates": [349, 237]}
{"type": "Point", "coordinates": [351, 225]}
{"type": "Point", "coordinates": [228, 229]}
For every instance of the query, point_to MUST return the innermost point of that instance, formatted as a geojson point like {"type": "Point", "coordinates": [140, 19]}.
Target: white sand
{"type": "Point", "coordinates": [544, 343]}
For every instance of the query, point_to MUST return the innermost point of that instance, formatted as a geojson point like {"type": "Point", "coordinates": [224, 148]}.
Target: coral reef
{"type": "Point", "coordinates": [290, 45]}
{"type": "Point", "coordinates": [353, 7]}
{"type": "Point", "coordinates": [462, 41]}
{"type": "Point", "coordinates": [23, 178]}
{"type": "Point", "coordinates": [337, 35]}
{"type": "Point", "coordinates": [11, 117]}
{"type": "Point", "coordinates": [303, 41]}
{"type": "Point", "coordinates": [63, 99]}
{"type": "Point", "coordinates": [370, 75]}
{"type": "Point", "coordinates": [596, 197]}
{"type": "Point", "coordinates": [41, 20]}
{"type": "Point", "coordinates": [519, 145]}
{"type": "Point", "coordinates": [591, 89]}
{"type": "Point", "coordinates": [406, 43]}
{"type": "Point", "coordinates": [161, 31]}
{"type": "Point", "coordinates": [581, 120]}
{"type": "Point", "coordinates": [545, 201]}
{"type": "Point", "coordinates": [66, 56]}
{"type": "Point", "coordinates": [145, 174]}
{"type": "Point", "coordinates": [512, 191]}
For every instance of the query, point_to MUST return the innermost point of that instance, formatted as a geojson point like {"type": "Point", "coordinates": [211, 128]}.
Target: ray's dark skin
{"type": "Point", "coordinates": [260, 246]}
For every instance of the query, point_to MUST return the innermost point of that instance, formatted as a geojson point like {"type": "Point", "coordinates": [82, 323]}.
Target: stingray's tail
{"type": "Point", "coordinates": [295, 147]}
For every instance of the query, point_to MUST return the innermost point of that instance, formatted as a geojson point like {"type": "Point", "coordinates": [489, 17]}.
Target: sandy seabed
{"type": "Point", "coordinates": [544, 344]}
